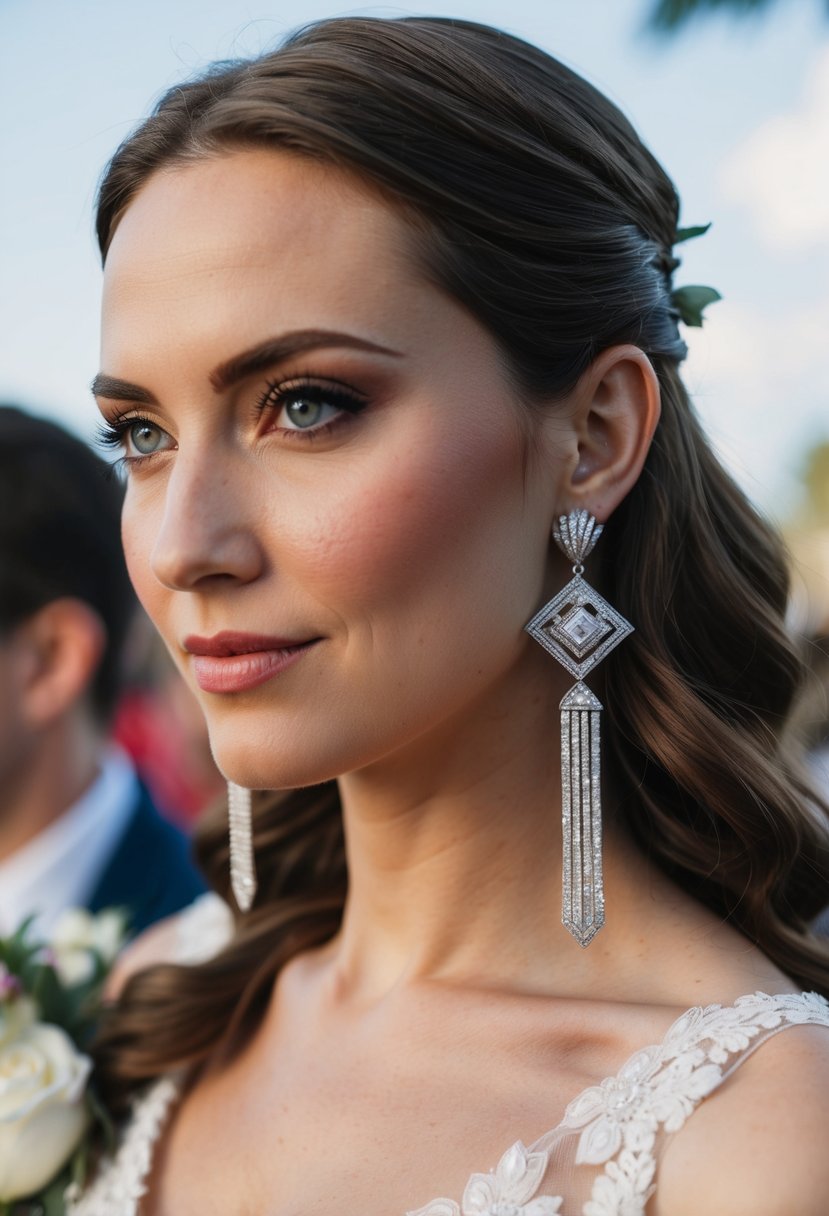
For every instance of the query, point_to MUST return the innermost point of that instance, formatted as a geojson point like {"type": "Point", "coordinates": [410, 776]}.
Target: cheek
{"type": "Point", "coordinates": [138, 529]}
{"type": "Point", "coordinates": [423, 526]}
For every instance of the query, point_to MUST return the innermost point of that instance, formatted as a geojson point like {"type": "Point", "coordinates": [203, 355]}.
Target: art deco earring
{"type": "Point", "coordinates": [579, 628]}
{"type": "Point", "coordinates": [242, 868]}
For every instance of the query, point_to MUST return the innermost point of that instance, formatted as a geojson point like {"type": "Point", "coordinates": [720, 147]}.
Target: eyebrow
{"type": "Point", "coordinates": [264, 354]}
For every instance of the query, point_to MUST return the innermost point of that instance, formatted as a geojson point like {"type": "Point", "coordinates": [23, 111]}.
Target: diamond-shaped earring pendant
{"type": "Point", "coordinates": [579, 628]}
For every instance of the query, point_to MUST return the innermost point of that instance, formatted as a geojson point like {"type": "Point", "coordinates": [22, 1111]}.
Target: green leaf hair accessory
{"type": "Point", "coordinates": [688, 234]}
{"type": "Point", "coordinates": [691, 302]}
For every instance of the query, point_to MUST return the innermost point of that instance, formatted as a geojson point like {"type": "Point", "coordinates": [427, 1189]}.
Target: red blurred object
{"type": "Point", "coordinates": [163, 731]}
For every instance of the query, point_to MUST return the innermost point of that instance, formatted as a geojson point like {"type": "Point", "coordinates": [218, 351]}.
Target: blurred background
{"type": "Point", "coordinates": [731, 95]}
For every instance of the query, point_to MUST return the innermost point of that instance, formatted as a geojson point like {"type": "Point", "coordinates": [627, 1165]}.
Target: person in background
{"type": "Point", "coordinates": [77, 827]}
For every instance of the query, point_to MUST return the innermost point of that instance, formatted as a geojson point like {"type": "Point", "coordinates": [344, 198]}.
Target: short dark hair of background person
{"type": "Point", "coordinates": [60, 536]}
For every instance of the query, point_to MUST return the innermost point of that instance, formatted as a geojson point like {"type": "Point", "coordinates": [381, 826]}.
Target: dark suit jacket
{"type": "Point", "coordinates": [151, 872]}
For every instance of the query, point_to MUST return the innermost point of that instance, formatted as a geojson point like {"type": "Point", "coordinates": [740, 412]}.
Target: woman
{"type": "Point", "coordinates": [384, 311]}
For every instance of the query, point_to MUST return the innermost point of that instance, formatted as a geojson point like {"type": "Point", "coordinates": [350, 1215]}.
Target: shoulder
{"type": "Point", "coordinates": [191, 936]}
{"type": "Point", "coordinates": [155, 945]}
{"type": "Point", "coordinates": [757, 1145]}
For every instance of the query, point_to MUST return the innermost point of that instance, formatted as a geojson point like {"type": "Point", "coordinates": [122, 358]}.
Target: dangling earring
{"type": "Point", "coordinates": [579, 628]}
{"type": "Point", "coordinates": [242, 869]}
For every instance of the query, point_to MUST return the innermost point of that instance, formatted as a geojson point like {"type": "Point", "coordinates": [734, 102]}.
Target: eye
{"type": "Point", "coordinates": [309, 406]}
{"type": "Point", "coordinates": [144, 437]}
{"type": "Point", "coordinates": [137, 438]}
{"type": "Point", "coordinates": [302, 413]}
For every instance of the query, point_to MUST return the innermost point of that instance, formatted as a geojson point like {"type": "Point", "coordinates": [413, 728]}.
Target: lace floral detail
{"type": "Point", "coordinates": [122, 1181]}
{"type": "Point", "coordinates": [627, 1110]}
{"type": "Point", "coordinates": [625, 1186]}
{"type": "Point", "coordinates": [508, 1191]}
{"type": "Point", "coordinates": [658, 1088]}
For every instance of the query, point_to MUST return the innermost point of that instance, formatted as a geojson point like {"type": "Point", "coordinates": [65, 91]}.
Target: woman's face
{"type": "Point", "coordinates": [334, 514]}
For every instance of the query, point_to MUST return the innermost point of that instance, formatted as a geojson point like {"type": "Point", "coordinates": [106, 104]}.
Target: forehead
{"type": "Point", "coordinates": [210, 244]}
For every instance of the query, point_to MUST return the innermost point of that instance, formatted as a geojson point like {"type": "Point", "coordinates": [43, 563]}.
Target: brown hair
{"type": "Point", "coordinates": [537, 206]}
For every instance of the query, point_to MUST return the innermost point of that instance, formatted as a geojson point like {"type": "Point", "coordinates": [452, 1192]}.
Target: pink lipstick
{"type": "Point", "coordinates": [235, 662]}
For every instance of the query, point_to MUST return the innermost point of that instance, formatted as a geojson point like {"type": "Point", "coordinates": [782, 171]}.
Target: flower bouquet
{"type": "Point", "coordinates": [50, 995]}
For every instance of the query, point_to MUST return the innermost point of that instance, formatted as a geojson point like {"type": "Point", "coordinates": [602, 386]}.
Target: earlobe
{"type": "Point", "coordinates": [617, 408]}
{"type": "Point", "coordinates": [64, 643]}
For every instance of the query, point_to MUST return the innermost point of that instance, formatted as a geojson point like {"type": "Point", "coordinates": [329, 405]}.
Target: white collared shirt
{"type": "Point", "coordinates": [61, 866]}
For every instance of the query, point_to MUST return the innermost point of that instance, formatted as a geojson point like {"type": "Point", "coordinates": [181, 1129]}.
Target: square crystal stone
{"type": "Point", "coordinates": [581, 626]}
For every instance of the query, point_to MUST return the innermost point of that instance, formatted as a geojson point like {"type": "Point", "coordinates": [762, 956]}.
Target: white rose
{"type": "Point", "coordinates": [42, 1113]}
{"type": "Point", "coordinates": [78, 936]}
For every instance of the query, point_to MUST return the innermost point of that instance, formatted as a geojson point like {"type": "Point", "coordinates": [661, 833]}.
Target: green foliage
{"type": "Point", "coordinates": [667, 16]}
{"type": "Point", "coordinates": [691, 301]}
{"type": "Point", "coordinates": [17, 951]}
{"type": "Point", "coordinates": [51, 1201]}
{"type": "Point", "coordinates": [816, 483]}
{"type": "Point", "coordinates": [70, 1006]}
{"type": "Point", "coordinates": [688, 234]}
{"type": "Point", "coordinates": [101, 1119]}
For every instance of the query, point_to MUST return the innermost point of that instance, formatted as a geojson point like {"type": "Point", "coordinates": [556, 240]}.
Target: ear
{"type": "Point", "coordinates": [616, 406]}
{"type": "Point", "coordinates": [60, 647]}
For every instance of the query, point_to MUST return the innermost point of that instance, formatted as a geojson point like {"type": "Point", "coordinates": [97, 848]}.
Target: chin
{"type": "Point", "coordinates": [257, 771]}
{"type": "Point", "coordinates": [271, 748]}
{"type": "Point", "coordinates": [272, 763]}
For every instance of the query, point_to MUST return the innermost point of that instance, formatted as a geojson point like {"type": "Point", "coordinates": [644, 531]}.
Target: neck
{"type": "Point", "coordinates": [45, 778]}
{"type": "Point", "coordinates": [454, 855]}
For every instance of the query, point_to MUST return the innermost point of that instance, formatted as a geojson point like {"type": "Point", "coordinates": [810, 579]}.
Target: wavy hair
{"type": "Point", "coordinates": [535, 204]}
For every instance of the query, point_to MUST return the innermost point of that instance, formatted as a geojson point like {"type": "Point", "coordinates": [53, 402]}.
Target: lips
{"type": "Point", "coordinates": [226, 644]}
{"type": "Point", "coordinates": [234, 662]}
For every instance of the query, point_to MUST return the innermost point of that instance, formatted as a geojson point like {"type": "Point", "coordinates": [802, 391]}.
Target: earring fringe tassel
{"type": "Point", "coordinates": [242, 867]}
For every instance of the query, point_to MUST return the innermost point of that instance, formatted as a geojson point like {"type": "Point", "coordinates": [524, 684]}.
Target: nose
{"type": "Point", "coordinates": [208, 527]}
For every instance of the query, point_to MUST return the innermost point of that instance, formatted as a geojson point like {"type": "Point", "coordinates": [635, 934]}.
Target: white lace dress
{"type": "Point", "coordinates": [602, 1158]}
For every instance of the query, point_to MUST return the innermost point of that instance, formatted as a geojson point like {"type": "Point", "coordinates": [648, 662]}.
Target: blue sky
{"type": "Point", "coordinates": [738, 112]}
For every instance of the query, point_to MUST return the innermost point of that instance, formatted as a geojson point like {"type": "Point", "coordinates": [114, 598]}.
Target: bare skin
{"type": "Point", "coordinates": [411, 540]}
{"type": "Point", "coordinates": [50, 743]}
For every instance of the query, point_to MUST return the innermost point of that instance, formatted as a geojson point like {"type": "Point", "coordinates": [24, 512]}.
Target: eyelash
{"type": "Point", "coordinates": [278, 394]}
{"type": "Point", "coordinates": [112, 433]}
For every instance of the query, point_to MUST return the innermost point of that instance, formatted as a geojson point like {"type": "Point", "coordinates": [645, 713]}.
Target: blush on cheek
{"type": "Point", "coordinates": [137, 537]}
{"type": "Point", "coordinates": [390, 525]}
{"type": "Point", "coordinates": [137, 570]}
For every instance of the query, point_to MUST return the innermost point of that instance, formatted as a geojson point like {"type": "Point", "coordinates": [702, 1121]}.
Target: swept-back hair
{"type": "Point", "coordinates": [534, 203]}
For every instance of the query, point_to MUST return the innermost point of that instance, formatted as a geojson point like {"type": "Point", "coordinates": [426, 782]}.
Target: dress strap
{"type": "Point", "coordinates": [620, 1124]}
{"type": "Point", "coordinates": [620, 1120]}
